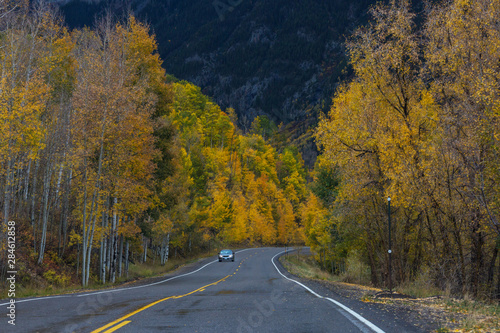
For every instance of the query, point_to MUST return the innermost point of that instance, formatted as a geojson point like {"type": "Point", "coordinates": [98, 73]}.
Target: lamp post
{"type": "Point", "coordinates": [390, 245]}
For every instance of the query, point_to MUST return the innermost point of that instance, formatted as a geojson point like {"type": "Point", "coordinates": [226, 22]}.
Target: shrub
{"type": "Point", "coordinates": [356, 270]}
{"type": "Point", "coordinates": [56, 279]}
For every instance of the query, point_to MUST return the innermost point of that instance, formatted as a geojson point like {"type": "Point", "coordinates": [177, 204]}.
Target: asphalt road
{"type": "Point", "coordinates": [252, 294]}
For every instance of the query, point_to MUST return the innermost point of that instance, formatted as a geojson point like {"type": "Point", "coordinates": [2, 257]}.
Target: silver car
{"type": "Point", "coordinates": [226, 255]}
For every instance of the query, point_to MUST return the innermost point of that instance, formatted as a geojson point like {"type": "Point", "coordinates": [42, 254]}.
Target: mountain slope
{"type": "Point", "coordinates": [277, 58]}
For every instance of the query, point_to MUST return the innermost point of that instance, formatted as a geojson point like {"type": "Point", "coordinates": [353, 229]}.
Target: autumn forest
{"type": "Point", "coordinates": [107, 160]}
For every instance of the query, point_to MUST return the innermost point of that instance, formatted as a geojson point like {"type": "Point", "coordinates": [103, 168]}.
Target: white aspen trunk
{"type": "Point", "coordinates": [162, 250]}
{"type": "Point", "coordinates": [87, 245]}
{"type": "Point", "coordinates": [111, 239]}
{"type": "Point", "coordinates": [33, 195]}
{"type": "Point", "coordinates": [45, 201]}
{"type": "Point", "coordinates": [27, 181]}
{"type": "Point", "coordinates": [114, 237]}
{"type": "Point", "coordinates": [60, 231]}
{"type": "Point", "coordinates": [104, 248]}
{"type": "Point", "coordinates": [66, 207]}
{"type": "Point", "coordinates": [67, 185]}
{"type": "Point", "coordinates": [145, 244]}
{"type": "Point", "coordinates": [103, 263]}
{"type": "Point", "coordinates": [84, 240]}
{"type": "Point", "coordinates": [101, 250]}
{"type": "Point", "coordinates": [109, 251]}
{"type": "Point", "coordinates": [84, 231]}
{"type": "Point", "coordinates": [90, 247]}
{"type": "Point", "coordinates": [114, 255]}
{"type": "Point", "coordinates": [59, 180]}
{"type": "Point", "coordinates": [167, 247]}
{"type": "Point", "coordinates": [120, 257]}
{"type": "Point", "coordinates": [90, 237]}
{"type": "Point", "coordinates": [101, 260]}
{"type": "Point", "coordinates": [78, 260]}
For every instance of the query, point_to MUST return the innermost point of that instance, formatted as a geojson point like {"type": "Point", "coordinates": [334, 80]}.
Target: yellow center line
{"type": "Point", "coordinates": [150, 305]}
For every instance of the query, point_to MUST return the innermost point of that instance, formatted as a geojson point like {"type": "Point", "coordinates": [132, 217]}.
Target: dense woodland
{"type": "Point", "coordinates": [419, 123]}
{"type": "Point", "coordinates": [105, 159]}
{"type": "Point", "coordinates": [103, 155]}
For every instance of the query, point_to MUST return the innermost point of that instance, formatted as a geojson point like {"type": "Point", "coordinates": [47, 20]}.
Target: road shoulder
{"type": "Point", "coordinates": [395, 315]}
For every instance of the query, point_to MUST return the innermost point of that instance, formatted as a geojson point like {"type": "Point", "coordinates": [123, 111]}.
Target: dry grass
{"type": "Point", "coordinates": [428, 303]}
{"type": "Point", "coordinates": [306, 267]}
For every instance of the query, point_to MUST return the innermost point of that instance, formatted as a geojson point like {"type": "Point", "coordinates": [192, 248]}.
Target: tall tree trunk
{"type": "Point", "coordinates": [109, 252]}
{"type": "Point", "coordinates": [167, 248]}
{"type": "Point", "coordinates": [45, 202]}
{"type": "Point", "coordinates": [114, 255]}
{"type": "Point", "coordinates": [78, 259]}
{"type": "Point", "coordinates": [27, 181]}
{"type": "Point", "coordinates": [60, 231]}
{"type": "Point", "coordinates": [101, 259]}
{"type": "Point", "coordinates": [33, 196]}
{"type": "Point", "coordinates": [90, 248]}
{"type": "Point", "coordinates": [66, 210]}
{"type": "Point", "coordinates": [84, 223]}
{"type": "Point", "coordinates": [120, 257]}
{"type": "Point", "coordinates": [104, 246]}
{"type": "Point", "coordinates": [145, 247]}
{"type": "Point", "coordinates": [115, 241]}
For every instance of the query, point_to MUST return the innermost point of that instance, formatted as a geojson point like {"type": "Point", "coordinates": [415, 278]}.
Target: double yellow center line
{"type": "Point", "coordinates": [121, 321]}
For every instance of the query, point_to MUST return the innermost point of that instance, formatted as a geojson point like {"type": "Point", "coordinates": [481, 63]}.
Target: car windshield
{"type": "Point", "coordinates": [226, 252]}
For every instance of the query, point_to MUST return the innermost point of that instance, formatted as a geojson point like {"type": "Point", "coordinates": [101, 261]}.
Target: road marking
{"type": "Point", "coordinates": [147, 285]}
{"type": "Point", "coordinates": [118, 326]}
{"type": "Point", "coordinates": [116, 290]}
{"type": "Point", "coordinates": [340, 305]}
{"type": "Point", "coordinates": [37, 299]}
{"type": "Point", "coordinates": [113, 323]}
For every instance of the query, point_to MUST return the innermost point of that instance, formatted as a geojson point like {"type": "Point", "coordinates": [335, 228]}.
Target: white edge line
{"type": "Point", "coordinates": [35, 299]}
{"type": "Point", "coordinates": [342, 306]}
{"type": "Point", "coordinates": [120, 289]}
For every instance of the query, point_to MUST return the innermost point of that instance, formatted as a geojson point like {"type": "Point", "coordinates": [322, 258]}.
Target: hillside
{"type": "Point", "coordinates": [275, 58]}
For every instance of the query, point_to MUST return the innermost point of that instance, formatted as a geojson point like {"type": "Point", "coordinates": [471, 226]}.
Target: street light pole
{"type": "Point", "coordinates": [390, 245]}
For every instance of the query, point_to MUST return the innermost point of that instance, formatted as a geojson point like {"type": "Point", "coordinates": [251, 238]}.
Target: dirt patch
{"type": "Point", "coordinates": [391, 295]}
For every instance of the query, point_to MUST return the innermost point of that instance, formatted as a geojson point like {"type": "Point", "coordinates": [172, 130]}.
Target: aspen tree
{"type": "Point", "coordinates": [462, 53]}
{"type": "Point", "coordinates": [380, 133]}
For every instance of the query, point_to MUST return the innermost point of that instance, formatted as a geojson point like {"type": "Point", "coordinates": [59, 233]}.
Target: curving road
{"type": "Point", "coordinates": [252, 294]}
